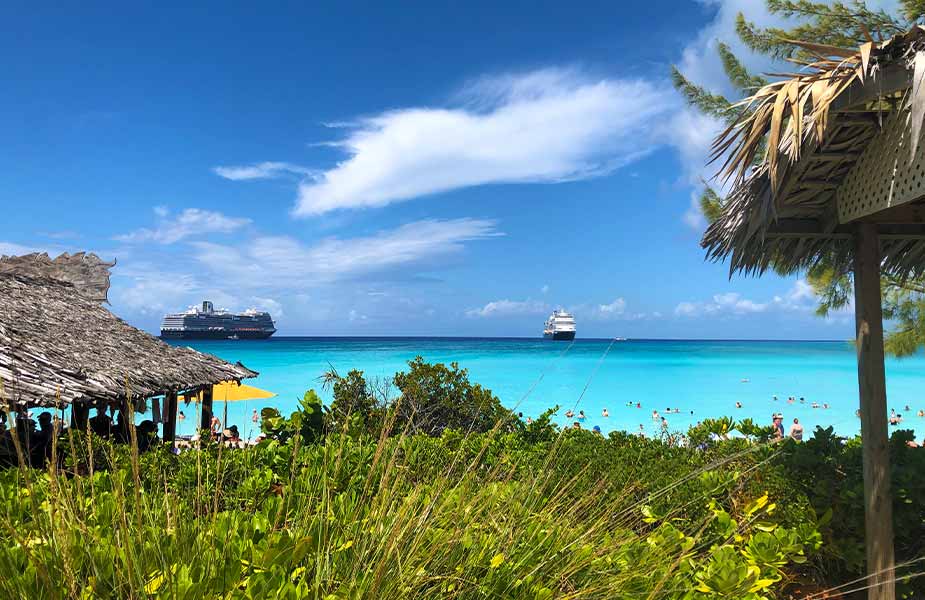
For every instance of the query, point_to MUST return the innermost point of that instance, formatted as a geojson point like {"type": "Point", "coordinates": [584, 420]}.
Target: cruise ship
{"type": "Point", "coordinates": [559, 326]}
{"type": "Point", "coordinates": [206, 323]}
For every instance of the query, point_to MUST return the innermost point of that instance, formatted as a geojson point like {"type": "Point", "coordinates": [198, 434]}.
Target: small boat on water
{"type": "Point", "coordinates": [559, 326]}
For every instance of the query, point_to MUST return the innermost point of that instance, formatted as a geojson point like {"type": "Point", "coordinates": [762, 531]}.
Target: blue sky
{"type": "Point", "coordinates": [372, 169]}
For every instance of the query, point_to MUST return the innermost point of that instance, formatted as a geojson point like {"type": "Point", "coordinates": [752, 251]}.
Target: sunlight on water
{"type": "Point", "coordinates": [707, 378]}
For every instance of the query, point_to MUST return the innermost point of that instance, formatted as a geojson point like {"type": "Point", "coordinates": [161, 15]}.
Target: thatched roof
{"type": "Point", "coordinates": [847, 122]}
{"type": "Point", "coordinates": [86, 272]}
{"type": "Point", "coordinates": [58, 344]}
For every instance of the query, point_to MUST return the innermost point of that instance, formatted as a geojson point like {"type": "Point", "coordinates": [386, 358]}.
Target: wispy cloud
{"type": "Point", "coordinates": [617, 307]}
{"type": "Point", "coordinates": [545, 126]}
{"type": "Point", "coordinates": [507, 308]}
{"type": "Point", "coordinates": [284, 261]}
{"type": "Point", "coordinates": [263, 170]}
{"type": "Point", "coordinates": [11, 249]}
{"type": "Point", "coordinates": [615, 310]}
{"type": "Point", "coordinates": [189, 222]}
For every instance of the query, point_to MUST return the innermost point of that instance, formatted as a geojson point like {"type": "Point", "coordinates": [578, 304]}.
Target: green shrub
{"type": "Point", "coordinates": [533, 513]}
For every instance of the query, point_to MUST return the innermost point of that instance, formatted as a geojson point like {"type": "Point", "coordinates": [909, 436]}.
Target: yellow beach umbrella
{"type": "Point", "coordinates": [233, 392]}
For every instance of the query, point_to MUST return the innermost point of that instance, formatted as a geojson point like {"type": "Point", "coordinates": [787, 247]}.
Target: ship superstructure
{"type": "Point", "coordinates": [207, 323]}
{"type": "Point", "coordinates": [559, 326]}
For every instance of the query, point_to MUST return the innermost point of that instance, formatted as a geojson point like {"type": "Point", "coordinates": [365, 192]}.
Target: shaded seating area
{"type": "Point", "coordinates": [62, 350]}
{"type": "Point", "coordinates": [842, 184]}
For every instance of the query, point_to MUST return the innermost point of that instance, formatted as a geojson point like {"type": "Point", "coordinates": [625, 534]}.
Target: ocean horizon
{"type": "Point", "coordinates": [699, 378]}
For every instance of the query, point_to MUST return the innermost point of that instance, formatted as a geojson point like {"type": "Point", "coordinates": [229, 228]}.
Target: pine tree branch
{"type": "Point", "coordinates": [712, 104]}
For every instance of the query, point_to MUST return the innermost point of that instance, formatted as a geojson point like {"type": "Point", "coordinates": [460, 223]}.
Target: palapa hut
{"type": "Point", "coordinates": [60, 347]}
{"type": "Point", "coordinates": [842, 180]}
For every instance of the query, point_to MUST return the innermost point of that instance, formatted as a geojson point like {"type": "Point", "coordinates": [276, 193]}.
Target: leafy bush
{"type": "Point", "coordinates": [435, 397]}
{"type": "Point", "coordinates": [828, 470]}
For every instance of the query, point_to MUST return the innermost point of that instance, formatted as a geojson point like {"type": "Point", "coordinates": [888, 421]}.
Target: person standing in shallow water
{"type": "Point", "coordinates": [796, 431]}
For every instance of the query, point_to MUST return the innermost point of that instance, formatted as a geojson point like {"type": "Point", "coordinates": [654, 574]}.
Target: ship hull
{"type": "Point", "coordinates": [560, 335]}
{"type": "Point", "coordinates": [215, 335]}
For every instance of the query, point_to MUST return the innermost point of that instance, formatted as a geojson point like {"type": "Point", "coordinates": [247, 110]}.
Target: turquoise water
{"type": "Point", "coordinates": [706, 377]}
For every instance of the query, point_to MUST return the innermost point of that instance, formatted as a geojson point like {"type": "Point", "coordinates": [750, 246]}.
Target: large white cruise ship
{"type": "Point", "coordinates": [559, 326]}
{"type": "Point", "coordinates": [206, 323]}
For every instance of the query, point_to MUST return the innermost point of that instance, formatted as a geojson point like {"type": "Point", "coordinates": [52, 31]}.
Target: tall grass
{"type": "Point", "coordinates": [462, 516]}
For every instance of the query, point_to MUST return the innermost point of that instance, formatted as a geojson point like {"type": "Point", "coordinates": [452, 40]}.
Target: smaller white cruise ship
{"type": "Point", "coordinates": [560, 326]}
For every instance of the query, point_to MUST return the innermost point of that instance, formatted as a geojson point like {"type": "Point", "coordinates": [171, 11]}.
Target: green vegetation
{"type": "Point", "coordinates": [343, 504]}
{"type": "Point", "coordinates": [844, 24]}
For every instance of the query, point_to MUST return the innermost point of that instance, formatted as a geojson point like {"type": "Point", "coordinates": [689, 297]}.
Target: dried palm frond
{"type": "Point", "coordinates": [784, 115]}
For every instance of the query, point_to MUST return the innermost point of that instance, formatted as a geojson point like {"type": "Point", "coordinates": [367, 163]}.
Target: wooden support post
{"type": "Point", "coordinates": [878, 509]}
{"type": "Point", "coordinates": [80, 413]}
{"type": "Point", "coordinates": [206, 422]}
{"type": "Point", "coordinates": [169, 418]}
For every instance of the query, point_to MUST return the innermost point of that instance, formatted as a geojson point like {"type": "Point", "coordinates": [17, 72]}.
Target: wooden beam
{"type": "Point", "coordinates": [890, 80]}
{"type": "Point", "coordinates": [206, 422]}
{"type": "Point", "coordinates": [169, 418]}
{"type": "Point", "coordinates": [878, 509]}
{"type": "Point", "coordinates": [821, 228]}
{"type": "Point", "coordinates": [903, 214]}
{"type": "Point", "coordinates": [834, 156]}
{"type": "Point", "coordinates": [818, 184]}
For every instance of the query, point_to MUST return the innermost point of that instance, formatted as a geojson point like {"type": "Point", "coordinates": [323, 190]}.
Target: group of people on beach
{"type": "Point", "coordinates": [229, 436]}
{"type": "Point", "coordinates": [796, 430]}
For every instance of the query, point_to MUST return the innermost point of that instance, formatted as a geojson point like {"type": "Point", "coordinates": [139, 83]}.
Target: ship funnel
{"type": "Point", "coordinates": [207, 306]}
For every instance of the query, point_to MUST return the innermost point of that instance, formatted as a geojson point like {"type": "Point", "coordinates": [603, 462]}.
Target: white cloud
{"type": "Point", "coordinates": [799, 298]}
{"type": "Point", "coordinates": [546, 126]}
{"type": "Point", "coordinates": [264, 170]}
{"type": "Point", "coordinates": [149, 291]}
{"type": "Point", "coordinates": [11, 249]}
{"type": "Point", "coordinates": [268, 304]}
{"type": "Point", "coordinates": [353, 315]}
{"type": "Point", "coordinates": [730, 303]}
{"type": "Point", "coordinates": [284, 261]}
{"type": "Point", "coordinates": [612, 311]}
{"type": "Point", "coordinates": [507, 308]}
{"type": "Point", "coordinates": [692, 132]}
{"type": "Point", "coordinates": [615, 310]}
{"type": "Point", "coordinates": [693, 216]}
{"type": "Point", "coordinates": [192, 221]}
{"type": "Point", "coordinates": [617, 307]}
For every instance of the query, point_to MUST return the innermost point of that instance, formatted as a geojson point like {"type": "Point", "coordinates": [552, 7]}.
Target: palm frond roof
{"type": "Point", "coordinates": [799, 146]}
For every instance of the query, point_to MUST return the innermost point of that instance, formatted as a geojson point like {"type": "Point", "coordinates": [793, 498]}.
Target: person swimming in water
{"type": "Point", "coordinates": [569, 414]}
{"type": "Point", "coordinates": [605, 413]}
{"type": "Point", "coordinates": [581, 415]}
{"type": "Point", "coordinates": [738, 404]}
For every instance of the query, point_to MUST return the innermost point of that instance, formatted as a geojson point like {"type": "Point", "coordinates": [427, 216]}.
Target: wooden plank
{"type": "Point", "coordinates": [878, 509]}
